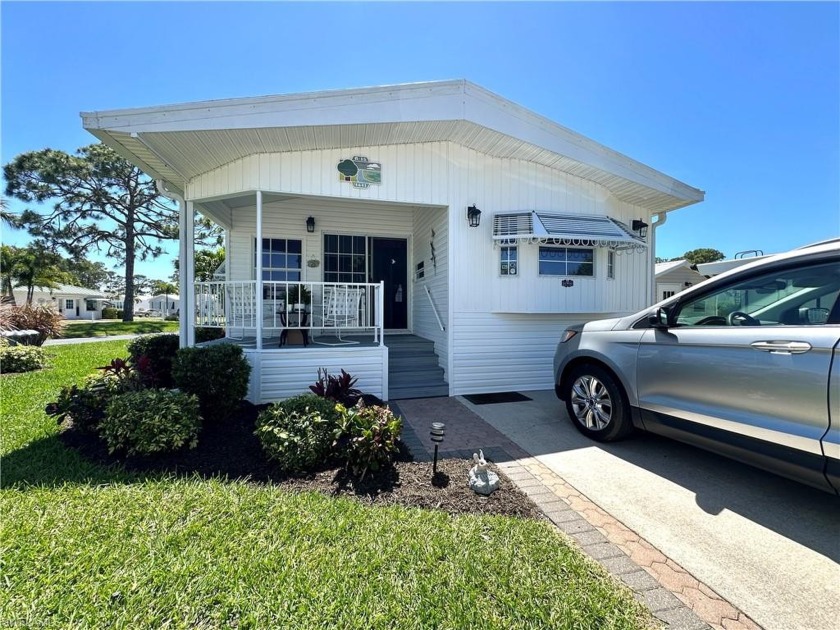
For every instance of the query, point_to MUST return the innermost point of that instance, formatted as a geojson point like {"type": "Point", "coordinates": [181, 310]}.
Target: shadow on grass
{"type": "Point", "coordinates": [78, 331]}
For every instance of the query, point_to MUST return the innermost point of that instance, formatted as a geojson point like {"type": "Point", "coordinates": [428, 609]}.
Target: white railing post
{"type": "Point", "coordinates": [380, 310]}
{"type": "Point", "coordinates": [258, 286]}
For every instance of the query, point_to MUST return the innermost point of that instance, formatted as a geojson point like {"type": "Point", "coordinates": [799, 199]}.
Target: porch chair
{"type": "Point", "coordinates": [341, 310]}
{"type": "Point", "coordinates": [240, 311]}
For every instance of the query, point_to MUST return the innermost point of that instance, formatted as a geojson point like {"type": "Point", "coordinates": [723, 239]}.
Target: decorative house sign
{"type": "Point", "coordinates": [360, 172]}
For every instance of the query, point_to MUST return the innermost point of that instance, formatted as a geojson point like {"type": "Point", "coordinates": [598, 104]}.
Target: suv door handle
{"type": "Point", "coordinates": [782, 347]}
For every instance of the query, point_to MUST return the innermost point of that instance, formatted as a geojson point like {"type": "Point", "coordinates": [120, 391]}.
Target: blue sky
{"type": "Point", "coordinates": [741, 100]}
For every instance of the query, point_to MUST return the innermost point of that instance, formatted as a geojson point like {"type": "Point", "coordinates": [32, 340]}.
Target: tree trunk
{"type": "Point", "coordinates": [128, 302]}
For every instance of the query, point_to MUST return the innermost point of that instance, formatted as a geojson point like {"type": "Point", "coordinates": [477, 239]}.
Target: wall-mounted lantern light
{"type": "Point", "coordinates": [640, 227]}
{"type": "Point", "coordinates": [473, 216]}
{"type": "Point", "coordinates": [310, 224]}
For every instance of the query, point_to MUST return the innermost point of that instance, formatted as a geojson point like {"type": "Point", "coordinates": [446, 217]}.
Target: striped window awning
{"type": "Point", "coordinates": [586, 230]}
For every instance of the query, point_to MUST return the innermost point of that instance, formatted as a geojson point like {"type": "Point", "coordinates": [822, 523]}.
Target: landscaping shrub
{"type": "Point", "coordinates": [21, 358]}
{"type": "Point", "coordinates": [208, 334]}
{"type": "Point", "coordinates": [109, 312]}
{"type": "Point", "coordinates": [151, 421]}
{"type": "Point", "coordinates": [338, 388]}
{"type": "Point", "coordinates": [367, 437]}
{"type": "Point", "coordinates": [85, 405]}
{"type": "Point", "coordinates": [44, 319]}
{"type": "Point", "coordinates": [298, 432]}
{"type": "Point", "coordinates": [160, 351]}
{"type": "Point", "coordinates": [218, 375]}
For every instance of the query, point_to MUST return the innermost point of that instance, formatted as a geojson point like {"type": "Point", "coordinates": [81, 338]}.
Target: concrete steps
{"type": "Point", "coordinates": [413, 370]}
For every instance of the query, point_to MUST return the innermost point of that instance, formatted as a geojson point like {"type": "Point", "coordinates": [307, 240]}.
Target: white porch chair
{"type": "Point", "coordinates": [340, 310]}
{"type": "Point", "coordinates": [240, 311]}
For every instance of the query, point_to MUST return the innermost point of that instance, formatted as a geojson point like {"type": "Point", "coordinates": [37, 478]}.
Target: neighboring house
{"type": "Point", "coordinates": [714, 268]}
{"type": "Point", "coordinates": [166, 304]}
{"type": "Point", "coordinates": [437, 209]}
{"type": "Point", "coordinates": [71, 301]}
{"type": "Point", "coordinates": [674, 276]}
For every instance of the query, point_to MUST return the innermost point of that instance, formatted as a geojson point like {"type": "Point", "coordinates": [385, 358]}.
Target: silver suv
{"type": "Point", "coordinates": [746, 364]}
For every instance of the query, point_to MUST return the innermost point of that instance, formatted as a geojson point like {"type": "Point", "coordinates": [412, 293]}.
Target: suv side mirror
{"type": "Point", "coordinates": [659, 319]}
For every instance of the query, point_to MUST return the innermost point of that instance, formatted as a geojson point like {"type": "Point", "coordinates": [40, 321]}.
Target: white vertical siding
{"type": "Point", "coordinates": [436, 279]}
{"type": "Point", "coordinates": [501, 331]}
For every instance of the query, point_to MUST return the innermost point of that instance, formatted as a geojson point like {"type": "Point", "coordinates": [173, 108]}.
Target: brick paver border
{"type": "Point", "coordinates": [672, 594]}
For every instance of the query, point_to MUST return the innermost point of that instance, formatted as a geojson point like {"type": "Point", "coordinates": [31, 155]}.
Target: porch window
{"type": "Point", "coordinates": [68, 304]}
{"type": "Point", "coordinates": [567, 261]}
{"type": "Point", "coordinates": [345, 258]}
{"type": "Point", "coordinates": [611, 265]}
{"type": "Point", "coordinates": [90, 305]}
{"type": "Point", "coordinates": [281, 259]}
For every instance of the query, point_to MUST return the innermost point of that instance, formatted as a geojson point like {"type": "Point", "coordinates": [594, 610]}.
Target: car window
{"type": "Point", "coordinates": [803, 296]}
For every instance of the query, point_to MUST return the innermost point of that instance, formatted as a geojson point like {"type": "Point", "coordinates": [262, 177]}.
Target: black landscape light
{"type": "Point", "coordinates": [438, 432]}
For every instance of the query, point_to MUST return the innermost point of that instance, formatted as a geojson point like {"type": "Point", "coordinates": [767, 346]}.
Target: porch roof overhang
{"type": "Point", "coordinates": [179, 142]}
{"type": "Point", "coordinates": [565, 229]}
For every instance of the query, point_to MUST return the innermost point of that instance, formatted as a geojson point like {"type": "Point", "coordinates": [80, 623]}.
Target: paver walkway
{"type": "Point", "coordinates": [672, 594]}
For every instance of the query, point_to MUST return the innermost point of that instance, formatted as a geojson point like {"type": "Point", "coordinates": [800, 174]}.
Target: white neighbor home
{"type": "Point", "coordinates": [674, 276]}
{"type": "Point", "coordinates": [71, 301]}
{"type": "Point", "coordinates": [437, 210]}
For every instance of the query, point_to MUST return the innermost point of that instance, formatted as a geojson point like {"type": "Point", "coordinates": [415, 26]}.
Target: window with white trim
{"type": "Point", "coordinates": [281, 259]}
{"type": "Point", "coordinates": [610, 264]}
{"type": "Point", "coordinates": [567, 261]}
{"type": "Point", "coordinates": [68, 304]}
{"type": "Point", "coordinates": [345, 258]}
{"type": "Point", "coordinates": [508, 260]}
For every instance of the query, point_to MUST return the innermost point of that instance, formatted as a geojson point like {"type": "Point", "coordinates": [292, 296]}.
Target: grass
{"type": "Point", "coordinates": [86, 546]}
{"type": "Point", "coordinates": [79, 329]}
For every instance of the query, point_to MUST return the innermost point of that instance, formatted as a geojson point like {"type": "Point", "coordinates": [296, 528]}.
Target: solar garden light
{"type": "Point", "coordinates": [438, 431]}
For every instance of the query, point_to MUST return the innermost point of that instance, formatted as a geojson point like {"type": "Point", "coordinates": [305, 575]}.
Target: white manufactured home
{"type": "Point", "coordinates": [431, 238]}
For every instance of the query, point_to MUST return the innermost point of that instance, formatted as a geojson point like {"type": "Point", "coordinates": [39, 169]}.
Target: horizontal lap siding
{"type": "Point", "coordinates": [506, 352]}
{"type": "Point", "coordinates": [283, 373]}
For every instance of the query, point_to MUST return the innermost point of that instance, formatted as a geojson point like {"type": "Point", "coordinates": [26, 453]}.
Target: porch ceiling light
{"type": "Point", "coordinates": [473, 216]}
{"type": "Point", "coordinates": [310, 224]}
{"type": "Point", "coordinates": [640, 227]}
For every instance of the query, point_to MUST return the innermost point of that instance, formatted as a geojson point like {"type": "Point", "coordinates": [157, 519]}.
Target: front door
{"type": "Point", "coordinates": [389, 264]}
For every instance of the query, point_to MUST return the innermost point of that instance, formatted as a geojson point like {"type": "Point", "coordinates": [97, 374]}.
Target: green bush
{"type": "Point", "coordinates": [86, 405]}
{"type": "Point", "coordinates": [208, 334]}
{"type": "Point", "coordinates": [160, 351]}
{"type": "Point", "coordinates": [218, 375]}
{"type": "Point", "coordinates": [151, 421]}
{"type": "Point", "coordinates": [366, 437]}
{"type": "Point", "coordinates": [298, 432]}
{"type": "Point", "coordinates": [109, 312]}
{"type": "Point", "coordinates": [44, 319]}
{"type": "Point", "coordinates": [21, 358]}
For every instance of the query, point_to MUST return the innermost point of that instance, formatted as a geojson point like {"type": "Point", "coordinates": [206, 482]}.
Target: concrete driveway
{"type": "Point", "coordinates": [768, 545]}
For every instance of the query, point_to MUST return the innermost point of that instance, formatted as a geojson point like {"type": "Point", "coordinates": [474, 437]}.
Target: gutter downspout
{"type": "Point", "coordinates": [183, 255]}
{"type": "Point", "coordinates": [660, 217]}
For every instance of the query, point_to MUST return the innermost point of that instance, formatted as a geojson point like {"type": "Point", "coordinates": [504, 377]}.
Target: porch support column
{"type": "Point", "coordinates": [184, 254]}
{"type": "Point", "coordinates": [188, 301]}
{"type": "Point", "coordinates": [258, 284]}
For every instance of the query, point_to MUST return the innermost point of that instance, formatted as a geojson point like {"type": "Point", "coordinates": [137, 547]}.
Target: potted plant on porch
{"type": "Point", "coordinates": [299, 297]}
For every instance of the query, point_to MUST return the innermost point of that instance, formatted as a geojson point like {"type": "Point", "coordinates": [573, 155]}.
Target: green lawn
{"type": "Point", "coordinates": [77, 329]}
{"type": "Point", "coordinates": [84, 546]}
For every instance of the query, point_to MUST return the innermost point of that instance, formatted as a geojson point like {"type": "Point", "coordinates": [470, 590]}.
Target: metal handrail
{"type": "Point", "coordinates": [434, 308]}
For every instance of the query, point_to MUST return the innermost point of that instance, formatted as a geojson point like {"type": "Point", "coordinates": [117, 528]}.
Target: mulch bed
{"type": "Point", "coordinates": [231, 450]}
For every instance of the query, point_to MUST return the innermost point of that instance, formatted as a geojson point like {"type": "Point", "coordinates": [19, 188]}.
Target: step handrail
{"type": "Point", "coordinates": [434, 308]}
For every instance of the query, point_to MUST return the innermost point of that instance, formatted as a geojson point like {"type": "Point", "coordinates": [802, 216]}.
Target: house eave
{"type": "Point", "coordinates": [170, 142]}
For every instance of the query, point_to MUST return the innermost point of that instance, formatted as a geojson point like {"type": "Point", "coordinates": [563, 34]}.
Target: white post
{"type": "Point", "coordinates": [187, 306]}
{"type": "Point", "coordinates": [259, 271]}
{"type": "Point", "coordinates": [184, 254]}
{"type": "Point", "coordinates": [380, 310]}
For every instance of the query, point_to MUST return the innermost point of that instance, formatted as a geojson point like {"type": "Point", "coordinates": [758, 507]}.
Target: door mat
{"type": "Point", "coordinates": [499, 397]}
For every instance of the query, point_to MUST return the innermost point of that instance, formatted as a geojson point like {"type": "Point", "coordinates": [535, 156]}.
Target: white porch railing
{"type": "Point", "coordinates": [329, 308]}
